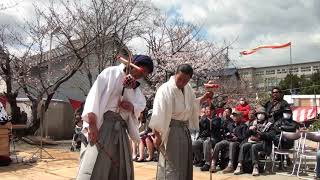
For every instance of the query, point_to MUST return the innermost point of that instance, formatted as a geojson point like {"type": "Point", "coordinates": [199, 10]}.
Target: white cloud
{"type": "Point", "coordinates": [256, 23]}
{"type": "Point", "coordinates": [253, 22]}
{"type": "Point", "coordinates": [138, 45]}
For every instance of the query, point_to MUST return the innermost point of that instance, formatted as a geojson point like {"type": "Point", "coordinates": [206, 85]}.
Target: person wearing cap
{"type": "Point", "coordinates": [276, 106]}
{"type": "Point", "coordinates": [237, 133]}
{"type": "Point", "coordinates": [175, 110]}
{"type": "Point", "coordinates": [261, 133]}
{"type": "Point", "coordinates": [108, 114]}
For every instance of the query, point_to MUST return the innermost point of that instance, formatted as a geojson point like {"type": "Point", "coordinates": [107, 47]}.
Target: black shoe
{"type": "Point", "coordinates": [195, 162]}
{"type": "Point", "coordinates": [205, 167]}
{"type": "Point", "coordinates": [200, 164]}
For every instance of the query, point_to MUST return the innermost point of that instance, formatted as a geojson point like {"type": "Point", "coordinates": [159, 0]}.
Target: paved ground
{"type": "Point", "coordinates": [65, 164]}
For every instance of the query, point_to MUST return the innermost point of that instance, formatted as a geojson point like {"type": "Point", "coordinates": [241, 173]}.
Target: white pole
{"type": "Point", "coordinates": [48, 74]}
{"type": "Point", "coordinates": [57, 29]}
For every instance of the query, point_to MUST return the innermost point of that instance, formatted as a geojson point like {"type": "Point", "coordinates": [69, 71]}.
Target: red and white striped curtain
{"type": "Point", "coordinates": [302, 114]}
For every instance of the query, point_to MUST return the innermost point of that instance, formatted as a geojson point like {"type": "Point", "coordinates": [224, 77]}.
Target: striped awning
{"type": "Point", "coordinates": [302, 114]}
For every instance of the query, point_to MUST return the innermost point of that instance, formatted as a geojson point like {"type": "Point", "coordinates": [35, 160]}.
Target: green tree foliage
{"type": "Point", "coordinates": [302, 84]}
{"type": "Point", "coordinates": [296, 81]}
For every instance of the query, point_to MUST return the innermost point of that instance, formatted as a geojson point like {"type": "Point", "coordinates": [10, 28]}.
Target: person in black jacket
{"type": "Point", "coordinates": [276, 106]}
{"type": "Point", "coordinates": [209, 143]}
{"type": "Point", "coordinates": [286, 124]}
{"type": "Point", "coordinates": [236, 132]}
{"type": "Point", "coordinates": [198, 148]}
{"type": "Point", "coordinates": [261, 134]}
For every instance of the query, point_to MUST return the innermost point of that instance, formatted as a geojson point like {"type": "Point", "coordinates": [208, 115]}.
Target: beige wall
{"type": "Point", "coordinates": [58, 121]}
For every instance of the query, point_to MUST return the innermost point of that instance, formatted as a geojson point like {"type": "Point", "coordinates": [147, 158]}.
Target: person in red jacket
{"type": "Point", "coordinates": [244, 108]}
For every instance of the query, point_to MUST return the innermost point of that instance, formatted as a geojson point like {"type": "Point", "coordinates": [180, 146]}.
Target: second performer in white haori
{"type": "Point", "coordinates": [175, 110]}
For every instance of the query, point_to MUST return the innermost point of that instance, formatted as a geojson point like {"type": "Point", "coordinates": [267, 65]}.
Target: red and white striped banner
{"type": "Point", "coordinates": [274, 46]}
{"type": "Point", "coordinates": [302, 114]}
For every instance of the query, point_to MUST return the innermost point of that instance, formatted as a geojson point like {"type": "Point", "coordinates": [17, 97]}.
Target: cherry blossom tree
{"type": "Point", "coordinates": [10, 4]}
{"type": "Point", "coordinates": [114, 24]}
{"type": "Point", "coordinates": [173, 41]}
{"type": "Point", "coordinates": [7, 70]}
{"type": "Point", "coordinates": [40, 72]}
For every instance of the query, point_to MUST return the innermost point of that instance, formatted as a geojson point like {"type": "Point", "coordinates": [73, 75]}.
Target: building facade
{"type": "Point", "coordinates": [267, 77]}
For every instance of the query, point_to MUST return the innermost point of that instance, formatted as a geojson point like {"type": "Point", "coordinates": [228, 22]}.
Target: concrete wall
{"type": "Point", "coordinates": [58, 120]}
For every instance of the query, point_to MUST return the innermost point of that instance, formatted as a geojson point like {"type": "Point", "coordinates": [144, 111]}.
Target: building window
{"type": "Point", "coordinates": [281, 71]}
{"type": "Point", "coordinates": [306, 69]}
{"type": "Point", "coordinates": [245, 73]}
{"type": "Point", "coordinates": [271, 82]}
{"type": "Point", "coordinates": [268, 72]}
{"type": "Point", "coordinates": [259, 73]}
{"type": "Point", "coordinates": [316, 68]}
{"type": "Point", "coordinates": [293, 70]}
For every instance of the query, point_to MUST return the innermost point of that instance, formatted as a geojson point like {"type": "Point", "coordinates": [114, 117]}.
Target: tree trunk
{"type": "Point", "coordinates": [15, 110]}
{"type": "Point", "coordinates": [35, 119]}
{"type": "Point", "coordinates": [90, 79]}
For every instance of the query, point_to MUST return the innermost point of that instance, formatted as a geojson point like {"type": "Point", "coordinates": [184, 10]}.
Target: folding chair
{"type": "Point", "coordinates": [277, 150]}
{"type": "Point", "coordinates": [267, 158]}
{"type": "Point", "coordinates": [307, 152]}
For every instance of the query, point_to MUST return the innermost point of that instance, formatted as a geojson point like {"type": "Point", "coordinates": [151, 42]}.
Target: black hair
{"type": "Point", "coordinates": [277, 88]}
{"type": "Point", "coordinates": [143, 60]}
{"type": "Point", "coordinates": [185, 69]}
{"type": "Point", "coordinates": [229, 108]}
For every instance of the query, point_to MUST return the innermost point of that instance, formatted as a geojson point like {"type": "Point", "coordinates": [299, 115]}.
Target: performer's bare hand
{"type": "Point", "coordinates": [93, 134]}
{"type": "Point", "coordinates": [126, 105]}
{"type": "Point", "coordinates": [206, 96]}
{"type": "Point", "coordinates": [157, 139]}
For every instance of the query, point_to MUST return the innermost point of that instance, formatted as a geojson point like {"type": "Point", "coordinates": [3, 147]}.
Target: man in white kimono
{"type": "Point", "coordinates": [109, 114]}
{"type": "Point", "coordinates": [176, 109]}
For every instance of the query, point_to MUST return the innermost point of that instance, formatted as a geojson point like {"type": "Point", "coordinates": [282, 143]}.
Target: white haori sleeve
{"type": "Point", "coordinates": [139, 105]}
{"type": "Point", "coordinates": [95, 101]}
{"type": "Point", "coordinates": [193, 107]}
{"type": "Point", "coordinates": [162, 112]}
{"type": "Point", "coordinates": [194, 119]}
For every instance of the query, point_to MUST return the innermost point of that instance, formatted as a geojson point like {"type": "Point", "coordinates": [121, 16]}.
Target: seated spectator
{"type": "Point", "coordinates": [142, 127]}
{"type": "Point", "coordinates": [3, 115]}
{"type": "Point", "coordinates": [287, 124]}
{"type": "Point", "coordinates": [261, 134]}
{"type": "Point", "coordinates": [252, 117]}
{"type": "Point", "coordinates": [199, 146]}
{"type": "Point", "coordinates": [226, 117]}
{"type": "Point", "coordinates": [244, 108]}
{"type": "Point", "coordinates": [195, 133]}
{"type": "Point", "coordinates": [134, 150]}
{"type": "Point", "coordinates": [276, 106]}
{"type": "Point", "coordinates": [78, 137]}
{"type": "Point", "coordinates": [147, 139]}
{"type": "Point", "coordinates": [236, 133]}
{"type": "Point", "coordinates": [214, 137]}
